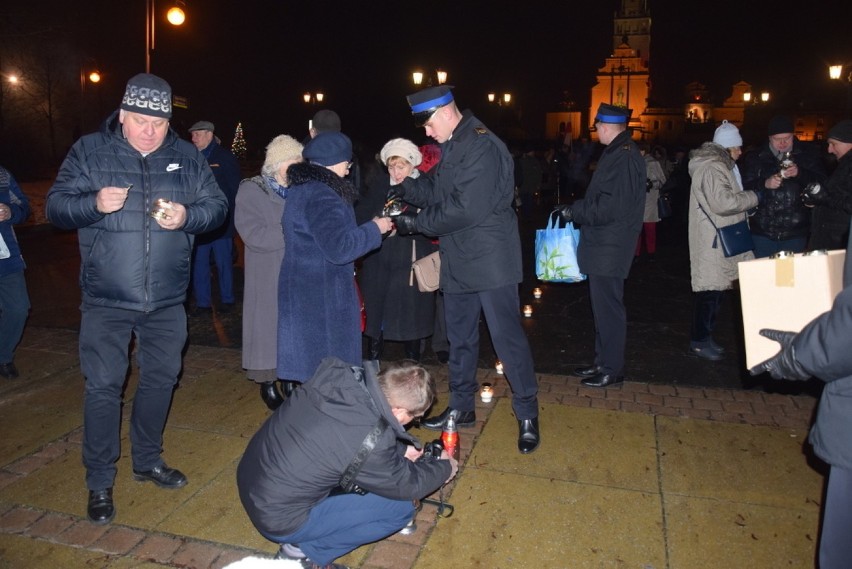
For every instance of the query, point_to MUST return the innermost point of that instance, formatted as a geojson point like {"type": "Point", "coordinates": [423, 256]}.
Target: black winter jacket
{"type": "Point", "coordinates": [610, 216]}
{"type": "Point", "coordinates": [127, 260]}
{"type": "Point", "coordinates": [299, 454]}
{"type": "Point", "coordinates": [781, 215]}
{"type": "Point", "coordinates": [831, 220]}
{"type": "Point", "coordinates": [467, 199]}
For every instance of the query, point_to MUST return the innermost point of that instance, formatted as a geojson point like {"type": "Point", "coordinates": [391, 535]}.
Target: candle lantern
{"type": "Point", "coordinates": [537, 292]}
{"type": "Point", "coordinates": [527, 310]}
{"type": "Point", "coordinates": [498, 367]}
{"type": "Point", "coordinates": [486, 393]}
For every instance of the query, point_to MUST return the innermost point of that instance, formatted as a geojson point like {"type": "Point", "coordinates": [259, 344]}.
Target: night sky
{"type": "Point", "coordinates": [251, 60]}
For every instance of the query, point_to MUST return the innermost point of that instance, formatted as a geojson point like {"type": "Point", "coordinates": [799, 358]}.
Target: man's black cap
{"type": "Point", "coordinates": [425, 102]}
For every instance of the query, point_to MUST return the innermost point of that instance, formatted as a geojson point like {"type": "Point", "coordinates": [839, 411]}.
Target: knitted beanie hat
{"type": "Point", "coordinates": [728, 135]}
{"type": "Point", "coordinates": [148, 94]}
{"type": "Point", "coordinates": [281, 149]}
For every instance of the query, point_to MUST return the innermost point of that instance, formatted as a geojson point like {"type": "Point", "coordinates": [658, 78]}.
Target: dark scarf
{"type": "Point", "coordinates": [304, 172]}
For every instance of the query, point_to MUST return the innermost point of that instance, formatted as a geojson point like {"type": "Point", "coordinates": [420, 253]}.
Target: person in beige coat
{"type": "Point", "coordinates": [716, 194]}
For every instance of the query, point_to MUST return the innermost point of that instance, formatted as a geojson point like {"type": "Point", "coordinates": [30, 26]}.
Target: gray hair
{"type": "Point", "coordinates": [409, 386]}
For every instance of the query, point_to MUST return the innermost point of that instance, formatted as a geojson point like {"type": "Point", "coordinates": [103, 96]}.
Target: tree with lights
{"type": "Point", "coordinates": [238, 147]}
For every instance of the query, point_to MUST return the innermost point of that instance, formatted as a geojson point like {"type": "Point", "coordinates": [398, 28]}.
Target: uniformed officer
{"type": "Point", "coordinates": [610, 218]}
{"type": "Point", "coordinates": [467, 202]}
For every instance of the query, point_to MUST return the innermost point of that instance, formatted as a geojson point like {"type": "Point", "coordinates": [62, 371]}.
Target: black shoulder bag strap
{"type": "Point", "coordinates": [347, 483]}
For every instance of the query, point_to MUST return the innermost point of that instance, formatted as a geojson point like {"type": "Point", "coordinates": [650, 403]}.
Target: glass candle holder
{"type": "Point", "coordinates": [486, 393]}
{"type": "Point", "coordinates": [161, 209]}
{"type": "Point", "coordinates": [528, 310]}
{"type": "Point", "coordinates": [537, 293]}
{"type": "Point", "coordinates": [498, 367]}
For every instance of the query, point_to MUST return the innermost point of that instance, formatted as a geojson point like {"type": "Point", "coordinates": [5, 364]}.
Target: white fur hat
{"type": "Point", "coordinates": [403, 148]}
{"type": "Point", "coordinates": [728, 135]}
{"type": "Point", "coordinates": [282, 148]}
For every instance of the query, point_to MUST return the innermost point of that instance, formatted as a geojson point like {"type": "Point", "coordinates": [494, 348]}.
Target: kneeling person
{"type": "Point", "coordinates": [289, 478]}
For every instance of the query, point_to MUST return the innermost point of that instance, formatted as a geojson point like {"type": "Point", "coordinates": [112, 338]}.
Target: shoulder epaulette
{"type": "Point", "coordinates": [480, 130]}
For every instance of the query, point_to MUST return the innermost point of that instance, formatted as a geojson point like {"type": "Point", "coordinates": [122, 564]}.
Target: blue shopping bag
{"type": "Point", "coordinates": [556, 252]}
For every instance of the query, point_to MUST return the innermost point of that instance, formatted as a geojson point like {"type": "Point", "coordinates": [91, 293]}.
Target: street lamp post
{"type": "Point", "coordinates": [94, 77]}
{"type": "Point", "coordinates": [843, 73]}
{"type": "Point", "coordinates": [417, 77]}
{"type": "Point", "coordinates": [175, 16]}
{"type": "Point", "coordinates": [313, 98]}
{"type": "Point", "coordinates": [503, 100]}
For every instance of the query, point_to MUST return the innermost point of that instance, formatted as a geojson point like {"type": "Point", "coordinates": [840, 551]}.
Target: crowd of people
{"type": "Point", "coordinates": [334, 467]}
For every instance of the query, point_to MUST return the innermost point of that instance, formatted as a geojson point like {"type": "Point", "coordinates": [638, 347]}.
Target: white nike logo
{"type": "Point", "coordinates": [173, 167]}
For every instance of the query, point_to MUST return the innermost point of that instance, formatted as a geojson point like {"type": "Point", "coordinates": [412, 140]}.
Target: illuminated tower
{"type": "Point", "coordinates": [624, 79]}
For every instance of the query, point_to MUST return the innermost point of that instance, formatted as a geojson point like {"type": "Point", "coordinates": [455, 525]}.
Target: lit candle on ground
{"type": "Point", "coordinates": [498, 367]}
{"type": "Point", "coordinates": [527, 310]}
{"type": "Point", "coordinates": [537, 292]}
{"type": "Point", "coordinates": [487, 393]}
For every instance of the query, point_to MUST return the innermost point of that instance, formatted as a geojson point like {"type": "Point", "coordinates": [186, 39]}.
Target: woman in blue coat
{"type": "Point", "coordinates": [318, 307]}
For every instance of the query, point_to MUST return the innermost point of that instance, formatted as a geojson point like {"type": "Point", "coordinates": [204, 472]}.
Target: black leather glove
{"type": "Point", "coordinates": [566, 211]}
{"type": "Point", "coordinates": [396, 192]}
{"type": "Point", "coordinates": [405, 223]}
{"type": "Point", "coordinates": [814, 194]}
{"type": "Point", "coordinates": [784, 364]}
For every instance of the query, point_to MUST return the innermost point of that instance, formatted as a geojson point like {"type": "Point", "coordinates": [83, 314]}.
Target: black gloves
{"type": "Point", "coordinates": [784, 364]}
{"type": "Point", "coordinates": [405, 223]}
{"type": "Point", "coordinates": [396, 192]}
{"type": "Point", "coordinates": [814, 194]}
{"type": "Point", "coordinates": [566, 211]}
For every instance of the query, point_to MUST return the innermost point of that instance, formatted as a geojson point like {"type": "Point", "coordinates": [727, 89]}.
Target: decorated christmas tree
{"type": "Point", "coordinates": [238, 147]}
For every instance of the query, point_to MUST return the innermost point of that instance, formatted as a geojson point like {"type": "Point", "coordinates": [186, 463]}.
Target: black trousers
{"type": "Point", "coordinates": [705, 309]}
{"type": "Point", "coordinates": [502, 314]}
{"type": "Point", "coordinates": [607, 296]}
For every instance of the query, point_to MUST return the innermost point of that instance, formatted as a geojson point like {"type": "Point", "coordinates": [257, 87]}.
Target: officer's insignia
{"type": "Point", "coordinates": [480, 130]}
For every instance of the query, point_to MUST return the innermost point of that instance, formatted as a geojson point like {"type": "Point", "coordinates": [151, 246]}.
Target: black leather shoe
{"type": "Point", "coordinates": [270, 395]}
{"type": "Point", "coordinates": [162, 476]}
{"type": "Point", "coordinates": [603, 380]}
{"type": "Point", "coordinates": [9, 371]}
{"type": "Point", "coordinates": [587, 371]}
{"type": "Point", "coordinates": [463, 419]}
{"type": "Point", "coordinates": [528, 436]}
{"type": "Point", "coordinates": [288, 387]}
{"type": "Point", "coordinates": [101, 510]}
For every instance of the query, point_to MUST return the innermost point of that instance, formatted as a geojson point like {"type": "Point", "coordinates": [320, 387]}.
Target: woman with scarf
{"type": "Point", "coordinates": [318, 305]}
{"type": "Point", "coordinates": [257, 217]}
{"type": "Point", "coordinates": [396, 309]}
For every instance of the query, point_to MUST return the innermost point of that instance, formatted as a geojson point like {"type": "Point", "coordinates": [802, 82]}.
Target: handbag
{"type": "Point", "coordinates": [556, 252]}
{"type": "Point", "coordinates": [664, 206]}
{"type": "Point", "coordinates": [735, 239]}
{"type": "Point", "coordinates": [427, 271]}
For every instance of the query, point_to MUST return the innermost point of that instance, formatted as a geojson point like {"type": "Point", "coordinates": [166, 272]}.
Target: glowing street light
{"type": "Point", "coordinates": [175, 16]}
{"type": "Point", "coordinates": [313, 98]}
{"type": "Point", "coordinates": [417, 78]}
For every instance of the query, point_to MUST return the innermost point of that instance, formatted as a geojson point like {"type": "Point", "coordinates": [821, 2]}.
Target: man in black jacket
{"type": "Point", "coordinates": [291, 474]}
{"type": "Point", "coordinates": [467, 201]}
{"type": "Point", "coordinates": [610, 219]}
{"type": "Point", "coordinates": [134, 275]}
{"type": "Point", "coordinates": [781, 169]}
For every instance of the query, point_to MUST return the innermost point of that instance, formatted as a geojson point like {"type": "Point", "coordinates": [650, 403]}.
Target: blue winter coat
{"type": "Point", "coordinates": [12, 196]}
{"type": "Point", "coordinates": [318, 307]}
{"type": "Point", "coordinates": [127, 260]}
{"type": "Point", "coordinates": [226, 170]}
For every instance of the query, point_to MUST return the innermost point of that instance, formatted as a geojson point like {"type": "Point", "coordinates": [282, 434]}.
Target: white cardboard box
{"type": "Point", "coordinates": [785, 294]}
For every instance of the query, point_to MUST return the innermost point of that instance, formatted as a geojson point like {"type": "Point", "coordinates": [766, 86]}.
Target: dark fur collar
{"type": "Point", "coordinates": [304, 172]}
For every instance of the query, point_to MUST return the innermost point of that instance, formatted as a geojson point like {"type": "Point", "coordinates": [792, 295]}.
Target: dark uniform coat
{"type": "Point", "coordinates": [319, 314]}
{"type": "Point", "coordinates": [395, 306]}
{"type": "Point", "coordinates": [299, 454]}
{"type": "Point", "coordinates": [610, 216]}
{"type": "Point", "coordinates": [467, 199]}
{"type": "Point", "coordinates": [830, 227]}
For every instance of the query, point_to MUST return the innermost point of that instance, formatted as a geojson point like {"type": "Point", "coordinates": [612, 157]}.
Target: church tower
{"type": "Point", "coordinates": [624, 80]}
{"type": "Point", "coordinates": [633, 27]}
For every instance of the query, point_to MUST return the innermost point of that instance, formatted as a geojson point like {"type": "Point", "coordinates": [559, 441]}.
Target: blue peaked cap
{"type": "Point", "coordinates": [614, 115]}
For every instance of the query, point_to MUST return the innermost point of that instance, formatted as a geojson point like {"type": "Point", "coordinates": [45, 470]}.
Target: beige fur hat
{"type": "Point", "coordinates": [282, 148]}
{"type": "Point", "coordinates": [403, 148]}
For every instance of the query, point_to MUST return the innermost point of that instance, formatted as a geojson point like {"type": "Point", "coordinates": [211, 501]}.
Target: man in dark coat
{"type": "Point", "coordinates": [467, 202]}
{"type": "Point", "coordinates": [220, 241]}
{"type": "Point", "coordinates": [781, 169]}
{"type": "Point", "coordinates": [832, 201]}
{"type": "Point", "coordinates": [822, 350]}
{"type": "Point", "coordinates": [610, 219]}
{"type": "Point", "coordinates": [289, 478]}
{"type": "Point", "coordinates": [134, 275]}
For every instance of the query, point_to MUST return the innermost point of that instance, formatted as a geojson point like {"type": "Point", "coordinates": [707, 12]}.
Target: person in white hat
{"type": "Point", "coordinates": [716, 200]}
